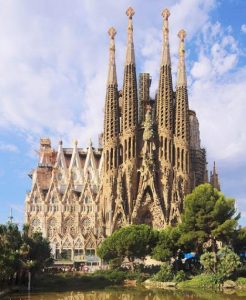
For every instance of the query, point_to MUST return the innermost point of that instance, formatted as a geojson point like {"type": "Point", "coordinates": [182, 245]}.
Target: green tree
{"type": "Point", "coordinates": [35, 251]}
{"type": "Point", "coordinates": [168, 244]}
{"type": "Point", "coordinates": [223, 264]}
{"type": "Point", "coordinates": [21, 252]}
{"type": "Point", "coordinates": [135, 241]}
{"type": "Point", "coordinates": [165, 274]}
{"type": "Point", "coordinates": [208, 217]}
{"type": "Point", "coordinates": [239, 240]}
{"type": "Point", "coordinates": [10, 242]}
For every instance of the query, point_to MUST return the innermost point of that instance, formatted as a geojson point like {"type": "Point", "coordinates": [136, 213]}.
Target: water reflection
{"type": "Point", "coordinates": [134, 294]}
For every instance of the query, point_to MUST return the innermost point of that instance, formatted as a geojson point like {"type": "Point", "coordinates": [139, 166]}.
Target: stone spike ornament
{"type": "Point", "coordinates": [165, 60]}
{"type": "Point", "coordinates": [181, 76]}
{"type": "Point", "coordinates": [112, 78]}
{"type": "Point", "coordinates": [130, 55]}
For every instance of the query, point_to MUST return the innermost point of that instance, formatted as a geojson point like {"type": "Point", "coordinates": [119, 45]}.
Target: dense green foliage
{"type": "Point", "coordinates": [208, 217]}
{"type": "Point", "coordinates": [21, 252]}
{"type": "Point", "coordinates": [239, 240]}
{"type": "Point", "coordinates": [168, 244]}
{"type": "Point", "coordinates": [165, 274]}
{"type": "Point", "coordinates": [199, 281]}
{"type": "Point", "coordinates": [10, 244]}
{"type": "Point", "coordinates": [223, 264]}
{"type": "Point", "coordinates": [130, 242]}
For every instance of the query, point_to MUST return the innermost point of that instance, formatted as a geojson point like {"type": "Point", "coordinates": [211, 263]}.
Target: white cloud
{"type": "Point", "coordinates": [243, 28]}
{"type": "Point", "coordinates": [8, 147]}
{"type": "Point", "coordinates": [53, 65]}
{"type": "Point", "coordinates": [53, 60]}
{"type": "Point", "coordinates": [217, 93]}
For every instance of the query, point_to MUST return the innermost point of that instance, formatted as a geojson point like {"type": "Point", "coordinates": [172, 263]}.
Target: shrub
{"type": "Point", "coordinates": [200, 281]}
{"type": "Point", "coordinates": [223, 264]}
{"type": "Point", "coordinates": [208, 260]}
{"type": "Point", "coordinates": [229, 261]}
{"type": "Point", "coordinates": [180, 276]}
{"type": "Point", "coordinates": [114, 276]}
{"type": "Point", "coordinates": [165, 273]}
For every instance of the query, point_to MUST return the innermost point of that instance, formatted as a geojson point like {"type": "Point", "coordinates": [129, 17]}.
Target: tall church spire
{"type": "Point", "coordinates": [111, 117]}
{"type": "Point", "coordinates": [182, 105]}
{"type": "Point", "coordinates": [181, 76]}
{"type": "Point", "coordinates": [130, 55]}
{"type": "Point", "coordinates": [214, 178]}
{"type": "Point", "coordinates": [112, 78]}
{"type": "Point", "coordinates": [181, 153]}
{"type": "Point", "coordinates": [165, 59]}
{"type": "Point", "coordinates": [165, 97]}
{"type": "Point", "coordinates": [130, 103]}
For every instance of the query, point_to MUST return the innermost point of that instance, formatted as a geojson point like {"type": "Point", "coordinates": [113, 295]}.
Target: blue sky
{"type": "Point", "coordinates": [53, 66]}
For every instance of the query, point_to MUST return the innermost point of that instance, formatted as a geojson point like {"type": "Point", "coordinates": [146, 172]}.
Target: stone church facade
{"type": "Point", "coordinates": [150, 158]}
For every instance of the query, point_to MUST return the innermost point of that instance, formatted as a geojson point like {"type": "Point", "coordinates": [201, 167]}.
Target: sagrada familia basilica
{"type": "Point", "coordinates": [150, 157]}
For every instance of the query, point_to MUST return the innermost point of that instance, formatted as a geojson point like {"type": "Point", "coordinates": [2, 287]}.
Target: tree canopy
{"type": "Point", "coordinates": [135, 241]}
{"type": "Point", "coordinates": [21, 252]}
{"type": "Point", "coordinates": [168, 244]}
{"type": "Point", "coordinates": [208, 217]}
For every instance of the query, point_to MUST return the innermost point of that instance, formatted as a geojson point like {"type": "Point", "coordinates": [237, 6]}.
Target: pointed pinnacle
{"type": "Point", "coordinates": [182, 34]}
{"type": "Point", "coordinates": [130, 12]}
{"type": "Point", "coordinates": [112, 32]}
{"type": "Point", "coordinates": [166, 14]}
{"type": "Point", "coordinates": [214, 169]}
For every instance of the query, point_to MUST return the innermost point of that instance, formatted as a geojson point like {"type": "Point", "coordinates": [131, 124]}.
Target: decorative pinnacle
{"type": "Point", "coordinates": [148, 108]}
{"type": "Point", "coordinates": [112, 32]}
{"type": "Point", "coordinates": [60, 142]}
{"type": "Point", "coordinates": [182, 34]}
{"type": "Point", "coordinates": [166, 14]}
{"type": "Point", "coordinates": [75, 142]}
{"type": "Point", "coordinates": [130, 12]}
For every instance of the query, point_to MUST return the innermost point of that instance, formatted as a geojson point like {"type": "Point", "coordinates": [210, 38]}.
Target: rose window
{"type": "Point", "coordinates": [86, 222]}
{"type": "Point", "coordinates": [35, 222]}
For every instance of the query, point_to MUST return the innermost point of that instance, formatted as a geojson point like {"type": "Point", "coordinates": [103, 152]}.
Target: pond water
{"type": "Point", "coordinates": [132, 294]}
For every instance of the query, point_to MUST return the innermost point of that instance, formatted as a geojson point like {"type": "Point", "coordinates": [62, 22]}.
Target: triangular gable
{"type": "Point", "coordinates": [68, 243]}
{"type": "Point", "coordinates": [87, 191]}
{"type": "Point", "coordinates": [60, 160]}
{"type": "Point", "coordinates": [35, 192]}
{"type": "Point", "coordinates": [75, 162]}
{"type": "Point", "coordinates": [90, 242]}
{"type": "Point", "coordinates": [90, 164]}
{"type": "Point", "coordinates": [53, 189]}
{"type": "Point", "coordinates": [79, 243]}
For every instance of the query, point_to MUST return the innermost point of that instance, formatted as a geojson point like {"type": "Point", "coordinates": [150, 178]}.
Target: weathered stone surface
{"type": "Point", "coordinates": [160, 285]}
{"type": "Point", "coordinates": [229, 284]}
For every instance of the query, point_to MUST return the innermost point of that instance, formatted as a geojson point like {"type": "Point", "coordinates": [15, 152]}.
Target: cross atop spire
{"type": "Point", "coordinates": [181, 80]}
{"type": "Point", "coordinates": [112, 78]}
{"type": "Point", "coordinates": [112, 32]}
{"type": "Point", "coordinates": [130, 55]}
{"type": "Point", "coordinates": [130, 12]}
{"type": "Point", "coordinates": [165, 14]}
